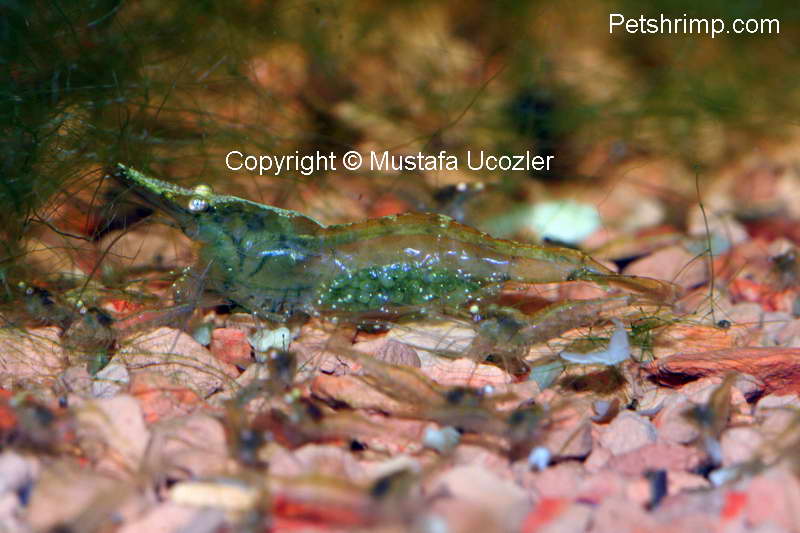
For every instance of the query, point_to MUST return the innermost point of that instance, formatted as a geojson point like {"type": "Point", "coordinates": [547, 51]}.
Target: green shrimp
{"type": "Point", "coordinates": [278, 263]}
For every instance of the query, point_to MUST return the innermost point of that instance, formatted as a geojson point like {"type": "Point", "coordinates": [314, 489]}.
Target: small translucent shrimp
{"type": "Point", "coordinates": [278, 263]}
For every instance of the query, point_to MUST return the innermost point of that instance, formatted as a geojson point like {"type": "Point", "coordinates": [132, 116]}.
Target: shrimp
{"type": "Point", "coordinates": [279, 263]}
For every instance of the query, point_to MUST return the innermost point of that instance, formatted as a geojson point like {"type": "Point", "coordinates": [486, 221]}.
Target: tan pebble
{"type": "Point", "coordinates": [30, 357]}
{"type": "Point", "coordinates": [672, 424]}
{"type": "Point", "coordinates": [325, 460]}
{"type": "Point", "coordinates": [189, 446]}
{"type": "Point", "coordinates": [464, 372]}
{"type": "Point", "coordinates": [168, 517]}
{"type": "Point", "coordinates": [772, 498]}
{"type": "Point", "coordinates": [627, 432]}
{"type": "Point", "coordinates": [76, 380]}
{"type": "Point", "coordinates": [113, 428]}
{"type": "Point", "coordinates": [657, 456]}
{"type": "Point", "coordinates": [229, 495]}
{"type": "Point", "coordinates": [602, 485]}
{"type": "Point", "coordinates": [778, 400]}
{"type": "Point", "coordinates": [178, 356]}
{"type": "Point", "coordinates": [790, 335]}
{"type": "Point", "coordinates": [740, 444]}
{"type": "Point", "coordinates": [639, 491]}
{"type": "Point", "coordinates": [620, 515]}
{"type": "Point", "coordinates": [398, 353]}
{"type": "Point", "coordinates": [679, 481]}
{"type": "Point", "coordinates": [571, 435]}
{"type": "Point", "coordinates": [467, 454]}
{"type": "Point", "coordinates": [559, 481]}
{"type": "Point", "coordinates": [673, 263]}
{"type": "Point", "coordinates": [462, 516]}
{"type": "Point", "coordinates": [774, 422]}
{"type": "Point", "coordinates": [745, 313]}
{"type": "Point", "coordinates": [598, 459]}
{"type": "Point", "coordinates": [65, 490]}
{"type": "Point", "coordinates": [505, 501]}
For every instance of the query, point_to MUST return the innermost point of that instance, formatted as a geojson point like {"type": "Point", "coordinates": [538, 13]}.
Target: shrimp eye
{"type": "Point", "coordinates": [199, 201]}
{"type": "Point", "coordinates": [197, 204]}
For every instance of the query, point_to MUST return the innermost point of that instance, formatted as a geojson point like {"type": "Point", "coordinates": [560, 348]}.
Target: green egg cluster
{"type": "Point", "coordinates": [397, 284]}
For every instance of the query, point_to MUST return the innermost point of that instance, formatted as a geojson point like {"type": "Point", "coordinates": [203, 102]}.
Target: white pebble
{"type": "Point", "coordinates": [15, 471]}
{"type": "Point", "coordinates": [226, 494]}
{"type": "Point", "coordinates": [433, 523]}
{"type": "Point", "coordinates": [539, 458]}
{"type": "Point", "coordinates": [563, 221]}
{"type": "Point", "coordinates": [713, 449]}
{"type": "Point", "coordinates": [720, 476]}
{"type": "Point", "coordinates": [265, 339]}
{"type": "Point", "coordinates": [442, 440]}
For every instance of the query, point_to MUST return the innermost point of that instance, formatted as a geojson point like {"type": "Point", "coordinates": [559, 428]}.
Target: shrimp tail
{"type": "Point", "coordinates": [539, 264]}
{"type": "Point", "coordinates": [657, 291]}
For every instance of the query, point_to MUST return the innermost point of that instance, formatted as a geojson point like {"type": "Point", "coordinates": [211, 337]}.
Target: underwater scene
{"type": "Point", "coordinates": [435, 267]}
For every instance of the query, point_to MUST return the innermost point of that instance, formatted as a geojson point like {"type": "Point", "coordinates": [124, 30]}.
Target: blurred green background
{"type": "Point", "coordinates": [171, 87]}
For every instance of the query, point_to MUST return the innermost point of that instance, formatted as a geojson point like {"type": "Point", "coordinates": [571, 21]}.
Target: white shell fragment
{"type": "Point", "coordinates": [442, 440]}
{"type": "Point", "coordinates": [618, 350]}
